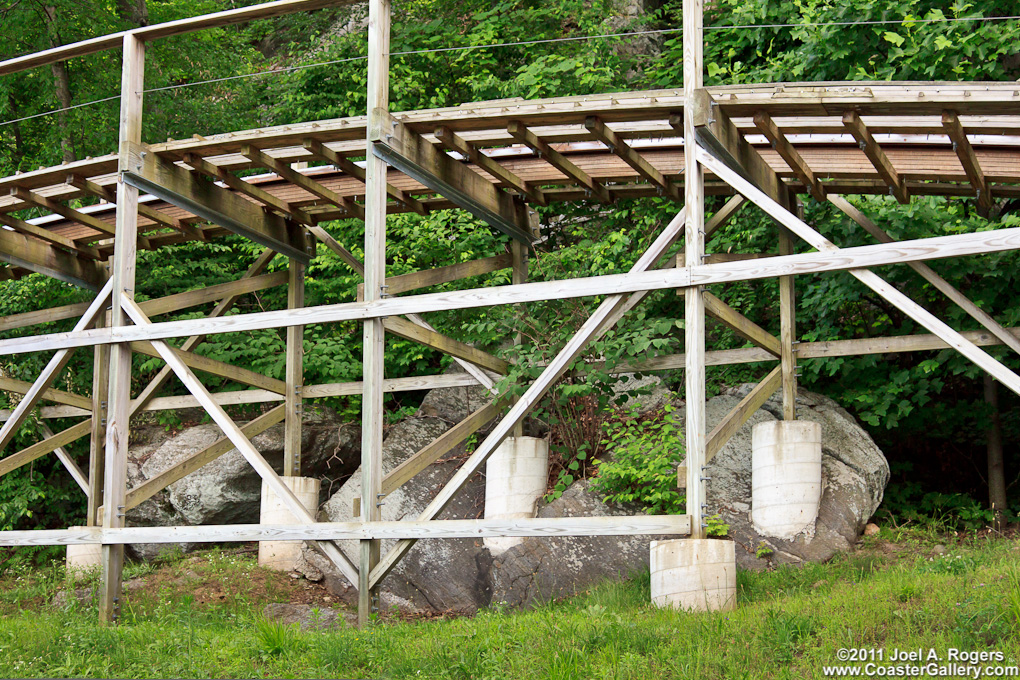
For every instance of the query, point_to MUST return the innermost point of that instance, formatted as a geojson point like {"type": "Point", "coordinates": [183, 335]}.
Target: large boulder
{"type": "Point", "coordinates": [228, 490]}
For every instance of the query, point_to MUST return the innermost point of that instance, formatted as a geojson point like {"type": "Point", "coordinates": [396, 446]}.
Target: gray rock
{"type": "Point", "coordinates": [83, 597]}
{"type": "Point", "coordinates": [306, 616]}
{"type": "Point", "coordinates": [643, 395]}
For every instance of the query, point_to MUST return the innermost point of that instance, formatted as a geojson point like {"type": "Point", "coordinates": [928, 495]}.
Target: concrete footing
{"type": "Point", "coordinates": [81, 558]}
{"type": "Point", "coordinates": [516, 476]}
{"type": "Point", "coordinates": [786, 477]}
{"type": "Point", "coordinates": [284, 555]}
{"type": "Point", "coordinates": [694, 574]}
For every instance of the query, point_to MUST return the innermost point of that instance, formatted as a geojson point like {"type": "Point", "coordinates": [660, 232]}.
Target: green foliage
{"type": "Point", "coordinates": [642, 468]}
{"type": "Point", "coordinates": [716, 526]}
{"type": "Point", "coordinates": [947, 564]}
{"type": "Point", "coordinates": [763, 552]}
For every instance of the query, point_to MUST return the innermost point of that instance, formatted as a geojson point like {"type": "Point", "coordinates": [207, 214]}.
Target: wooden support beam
{"type": "Point", "coordinates": [957, 245]}
{"type": "Point", "coordinates": [173, 184]}
{"type": "Point", "coordinates": [299, 179]}
{"type": "Point", "coordinates": [247, 188]}
{"type": "Point", "coordinates": [97, 433]}
{"type": "Point", "coordinates": [714, 130]}
{"type": "Point", "coordinates": [591, 330]}
{"type": "Point", "coordinates": [430, 338]}
{"type": "Point", "coordinates": [434, 277]}
{"type": "Point", "coordinates": [53, 238]}
{"type": "Point", "coordinates": [193, 462]}
{"type": "Point", "coordinates": [968, 159]}
{"type": "Point", "coordinates": [618, 146]}
{"type": "Point", "coordinates": [788, 331]}
{"type": "Point", "coordinates": [867, 277]}
{"type": "Point", "coordinates": [736, 418]}
{"type": "Point", "coordinates": [522, 134]}
{"type": "Point", "coordinates": [241, 443]}
{"type": "Point", "coordinates": [37, 256]}
{"type": "Point", "coordinates": [80, 478]}
{"type": "Point", "coordinates": [294, 373]}
{"type": "Point", "coordinates": [52, 369]}
{"type": "Point", "coordinates": [157, 216]}
{"type": "Point", "coordinates": [855, 126]}
{"type": "Point", "coordinates": [407, 151]}
{"type": "Point", "coordinates": [932, 277]}
{"type": "Point", "coordinates": [59, 208]}
{"type": "Point", "coordinates": [40, 449]}
{"type": "Point", "coordinates": [49, 394]}
{"type": "Point", "coordinates": [51, 412]}
{"type": "Point", "coordinates": [452, 141]}
{"type": "Point", "coordinates": [343, 164]}
{"type": "Point", "coordinates": [741, 325]}
{"type": "Point", "coordinates": [612, 525]}
{"type": "Point", "coordinates": [789, 154]}
{"type": "Point", "coordinates": [219, 368]}
{"type": "Point", "coordinates": [722, 216]}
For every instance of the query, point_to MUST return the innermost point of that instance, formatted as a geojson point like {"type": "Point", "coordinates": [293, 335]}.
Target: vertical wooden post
{"type": "Point", "coordinates": [119, 411]}
{"type": "Point", "coordinates": [788, 331]}
{"type": "Point", "coordinates": [97, 441]}
{"type": "Point", "coordinates": [294, 374]}
{"type": "Point", "coordinates": [519, 251]}
{"type": "Point", "coordinates": [375, 281]}
{"type": "Point", "coordinates": [694, 301]}
{"type": "Point", "coordinates": [996, 467]}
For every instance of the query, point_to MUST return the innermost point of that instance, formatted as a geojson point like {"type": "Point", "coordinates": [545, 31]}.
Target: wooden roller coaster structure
{"type": "Point", "coordinates": [763, 144]}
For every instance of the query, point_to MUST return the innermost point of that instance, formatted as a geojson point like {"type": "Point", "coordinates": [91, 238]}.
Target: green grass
{"type": "Point", "coordinates": [789, 624]}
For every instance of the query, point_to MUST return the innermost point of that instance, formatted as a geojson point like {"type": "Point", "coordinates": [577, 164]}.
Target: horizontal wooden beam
{"type": "Point", "coordinates": [43, 258]}
{"type": "Point", "coordinates": [522, 134]}
{"type": "Point", "coordinates": [48, 445]}
{"type": "Point", "coordinates": [145, 210]}
{"type": "Point", "coordinates": [434, 277]}
{"type": "Point", "coordinates": [872, 149]}
{"type": "Point", "coordinates": [51, 237]}
{"type": "Point", "coordinates": [612, 525]}
{"type": "Point", "coordinates": [618, 146]}
{"type": "Point", "coordinates": [409, 152]}
{"type": "Point", "coordinates": [299, 179]}
{"type": "Point", "coordinates": [175, 185]}
{"type": "Point", "coordinates": [957, 245]}
{"type": "Point", "coordinates": [452, 141]}
{"type": "Point", "coordinates": [51, 412]}
{"type": "Point", "coordinates": [455, 348]}
{"type": "Point", "coordinates": [219, 368]}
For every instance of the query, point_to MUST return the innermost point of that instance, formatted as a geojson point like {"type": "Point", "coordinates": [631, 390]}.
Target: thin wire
{"type": "Point", "coordinates": [288, 69]}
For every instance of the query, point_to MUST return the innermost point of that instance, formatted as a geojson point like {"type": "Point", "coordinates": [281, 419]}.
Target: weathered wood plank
{"type": "Point", "coordinates": [522, 134]}
{"type": "Point", "coordinates": [447, 345]}
{"type": "Point", "coordinates": [43, 258]}
{"type": "Point", "coordinates": [452, 141]}
{"type": "Point", "coordinates": [434, 277]}
{"type": "Point", "coordinates": [872, 149]}
{"type": "Point", "coordinates": [617, 145]}
{"type": "Point", "coordinates": [247, 188]}
{"type": "Point", "coordinates": [741, 325]}
{"type": "Point", "coordinates": [215, 367]}
{"type": "Point", "coordinates": [789, 154]}
{"type": "Point", "coordinates": [301, 180]}
{"type": "Point", "coordinates": [968, 159]}
{"type": "Point", "coordinates": [323, 152]}
{"type": "Point", "coordinates": [40, 449]}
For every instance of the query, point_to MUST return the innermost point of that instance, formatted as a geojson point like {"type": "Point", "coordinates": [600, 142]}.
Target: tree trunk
{"type": "Point", "coordinates": [135, 12]}
{"type": "Point", "coordinates": [996, 472]}
{"type": "Point", "coordinates": [62, 81]}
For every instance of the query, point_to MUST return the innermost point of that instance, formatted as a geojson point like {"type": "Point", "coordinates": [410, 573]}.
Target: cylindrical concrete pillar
{"type": "Point", "coordinates": [516, 476]}
{"type": "Point", "coordinates": [283, 555]}
{"type": "Point", "coordinates": [694, 574]}
{"type": "Point", "coordinates": [82, 557]}
{"type": "Point", "coordinates": [786, 477]}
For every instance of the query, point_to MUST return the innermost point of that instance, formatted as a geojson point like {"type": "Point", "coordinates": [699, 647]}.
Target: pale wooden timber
{"type": "Point", "coordinates": [59, 208]}
{"type": "Point", "coordinates": [40, 449]}
{"type": "Point", "coordinates": [240, 442]}
{"type": "Point", "coordinates": [968, 159]}
{"type": "Point", "coordinates": [122, 277]}
{"type": "Point", "coordinates": [51, 412]}
{"type": "Point", "coordinates": [155, 307]}
{"type": "Point", "coordinates": [164, 30]}
{"type": "Point", "coordinates": [303, 181]}
{"type": "Point", "coordinates": [714, 130]}
{"type": "Point", "coordinates": [652, 525]}
{"type": "Point", "coordinates": [37, 256]}
{"type": "Point", "coordinates": [80, 478]}
{"type": "Point", "coordinates": [741, 325]}
{"type": "Point", "coordinates": [144, 210]}
{"type": "Point", "coordinates": [694, 253]}
{"type": "Point", "coordinates": [868, 278]}
{"type": "Point", "coordinates": [409, 331]}
{"type": "Point", "coordinates": [97, 433]}
{"type": "Point", "coordinates": [173, 184]}
{"type": "Point", "coordinates": [593, 328]}
{"type": "Point", "coordinates": [56, 364]}
{"type": "Point", "coordinates": [792, 157]}
{"type": "Point", "coordinates": [871, 148]}
{"type": "Point", "coordinates": [519, 275]}
{"type": "Point", "coordinates": [295, 382]}
{"type": "Point", "coordinates": [219, 368]}
{"type": "Point", "coordinates": [617, 145]}
{"type": "Point", "coordinates": [374, 336]}
{"type": "Point", "coordinates": [247, 188]}
{"type": "Point", "coordinates": [323, 152]}
{"type": "Point", "coordinates": [722, 216]}
{"type": "Point", "coordinates": [408, 152]}
{"type": "Point", "coordinates": [788, 331]}
{"type": "Point", "coordinates": [452, 141]}
{"type": "Point", "coordinates": [29, 229]}
{"type": "Point", "coordinates": [434, 277]}
{"type": "Point", "coordinates": [929, 275]}
{"type": "Point", "coordinates": [522, 134]}
{"type": "Point", "coordinates": [221, 308]}
{"type": "Point", "coordinates": [197, 460]}
{"type": "Point", "coordinates": [49, 394]}
{"type": "Point", "coordinates": [957, 245]}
